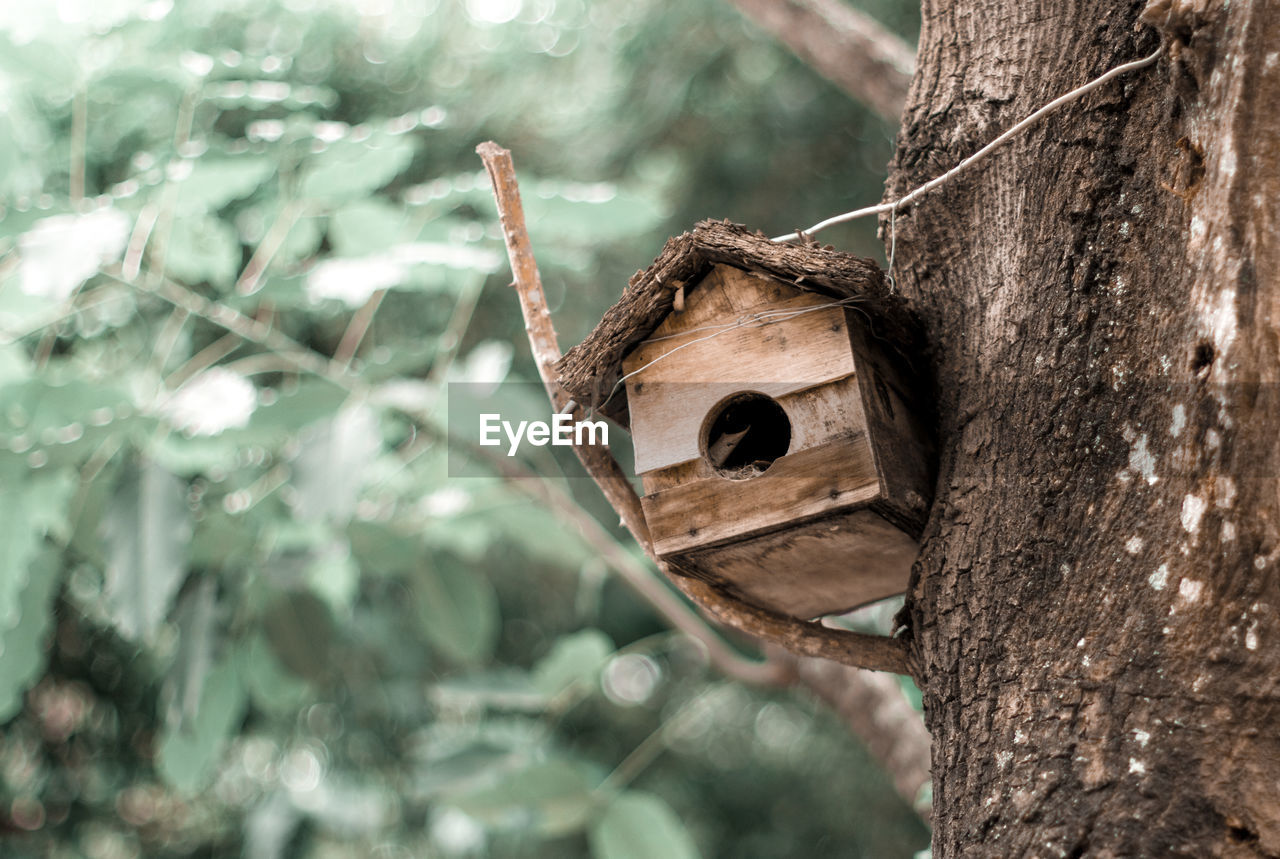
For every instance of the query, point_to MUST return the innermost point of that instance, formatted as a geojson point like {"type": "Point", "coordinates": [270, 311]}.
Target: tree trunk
{"type": "Point", "coordinates": [1095, 608]}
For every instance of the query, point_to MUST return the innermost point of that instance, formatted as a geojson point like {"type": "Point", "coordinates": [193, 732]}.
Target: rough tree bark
{"type": "Point", "coordinates": [1095, 607]}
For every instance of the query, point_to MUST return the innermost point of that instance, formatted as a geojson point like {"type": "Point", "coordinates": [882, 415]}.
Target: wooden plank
{"type": "Point", "coordinates": [825, 566]}
{"type": "Point", "coordinates": [698, 355]}
{"type": "Point", "coordinates": [825, 413]}
{"type": "Point", "coordinates": [818, 415]}
{"type": "Point", "coordinates": [670, 399]}
{"type": "Point", "coordinates": [833, 476]}
{"type": "Point", "coordinates": [705, 301]}
{"type": "Point", "coordinates": [724, 292]}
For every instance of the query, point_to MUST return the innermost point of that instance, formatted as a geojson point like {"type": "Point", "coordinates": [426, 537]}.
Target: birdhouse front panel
{"type": "Point", "coordinates": [747, 417]}
{"type": "Point", "coordinates": [702, 355]}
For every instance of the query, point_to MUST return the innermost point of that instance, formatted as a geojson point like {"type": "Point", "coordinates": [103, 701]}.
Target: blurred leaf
{"type": "Point", "coordinates": [300, 629]}
{"type": "Point", "coordinates": [148, 535]}
{"type": "Point", "coordinates": [22, 642]}
{"type": "Point", "coordinates": [574, 659]}
{"type": "Point", "coordinates": [461, 771]}
{"type": "Point", "coordinates": [552, 798]}
{"type": "Point", "coordinates": [307, 402]}
{"type": "Point", "coordinates": [31, 506]}
{"type": "Point", "coordinates": [587, 214]}
{"type": "Point", "coordinates": [273, 689]}
{"type": "Point", "coordinates": [501, 689]}
{"type": "Point", "coordinates": [202, 248]}
{"type": "Point", "coordinates": [541, 534]}
{"type": "Point", "coordinates": [188, 755]}
{"type": "Point", "coordinates": [383, 550]}
{"type": "Point", "coordinates": [215, 181]}
{"type": "Point", "coordinates": [190, 456]}
{"type": "Point", "coordinates": [334, 463]}
{"type": "Point", "coordinates": [184, 684]}
{"type": "Point", "coordinates": [640, 826]}
{"type": "Point", "coordinates": [302, 240]}
{"type": "Point", "coordinates": [366, 226]}
{"type": "Point", "coordinates": [47, 408]}
{"type": "Point", "coordinates": [456, 607]}
{"type": "Point", "coordinates": [39, 64]}
{"type": "Point", "coordinates": [61, 252]}
{"type": "Point", "coordinates": [334, 575]}
{"type": "Point", "coordinates": [347, 169]}
{"type": "Point", "coordinates": [88, 509]}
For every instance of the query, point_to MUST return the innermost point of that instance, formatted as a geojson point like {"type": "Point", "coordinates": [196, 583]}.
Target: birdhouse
{"type": "Point", "coordinates": [775, 416]}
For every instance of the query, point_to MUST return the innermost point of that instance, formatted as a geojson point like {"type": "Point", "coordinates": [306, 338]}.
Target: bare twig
{"type": "Point", "coordinates": [203, 360]}
{"type": "Point", "coordinates": [853, 51]}
{"type": "Point", "coordinates": [138, 239]}
{"type": "Point", "coordinates": [864, 651]}
{"type": "Point", "coordinates": [807, 638]}
{"type": "Point", "coordinates": [357, 328]}
{"type": "Point", "coordinates": [79, 130]}
{"type": "Point", "coordinates": [602, 467]}
{"type": "Point", "coordinates": [288, 350]}
{"type": "Point", "coordinates": [459, 322]}
{"type": "Point", "coordinates": [874, 707]}
{"type": "Point", "coordinates": [167, 339]}
{"type": "Point", "coordinates": [250, 279]}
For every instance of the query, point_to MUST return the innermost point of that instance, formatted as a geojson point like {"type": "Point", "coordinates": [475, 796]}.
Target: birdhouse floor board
{"type": "Point", "coordinates": [827, 566]}
{"type": "Point", "coordinates": [797, 486]}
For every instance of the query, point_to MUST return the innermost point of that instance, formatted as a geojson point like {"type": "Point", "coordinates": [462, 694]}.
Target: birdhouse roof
{"type": "Point", "coordinates": [590, 371]}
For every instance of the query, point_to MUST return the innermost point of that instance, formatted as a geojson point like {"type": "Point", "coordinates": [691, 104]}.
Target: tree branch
{"type": "Point", "coordinates": [875, 709]}
{"type": "Point", "coordinates": [602, 467]}
{"type": "Point", "coordinates": [853, 51]}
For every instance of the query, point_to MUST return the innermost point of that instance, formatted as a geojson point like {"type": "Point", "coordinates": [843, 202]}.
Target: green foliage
{"type": "Point", "coordinates": [254, 602]}
{"type": "Point", "coordinates": [23, 638]}
{"type": "Point", "coordinates": [147, 530]}
{"type": "Point", "coordinates": [574, 662]}
{"type": "Point", "coordinates": [640, 826]}
{"type": "Point", "coordinates": [550, 798]}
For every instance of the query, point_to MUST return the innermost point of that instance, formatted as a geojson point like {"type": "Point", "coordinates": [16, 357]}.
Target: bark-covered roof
{"type": "Point", "coordinates": [590, 370]}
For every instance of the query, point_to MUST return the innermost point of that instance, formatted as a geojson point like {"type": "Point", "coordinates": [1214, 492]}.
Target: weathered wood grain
{"type": "Point", "coordinates": [670, 400]}
{"type": "Point", "coordinates": [827, 566]}
{"type": "Point", "coordinates": [796, 487]}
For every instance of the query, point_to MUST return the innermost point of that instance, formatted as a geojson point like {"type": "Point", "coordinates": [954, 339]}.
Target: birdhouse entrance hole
{"type": "Point", "coordinates": [744, 434]}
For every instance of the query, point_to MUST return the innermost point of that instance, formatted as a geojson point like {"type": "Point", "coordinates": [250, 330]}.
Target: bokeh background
{"type": "Point", "coordinates": [245, 608]}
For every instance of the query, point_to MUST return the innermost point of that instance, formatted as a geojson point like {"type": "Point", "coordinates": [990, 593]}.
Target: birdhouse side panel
{"type": "Point", "coordinates": [825, 413]}
{"type": "Point", "coordinates": [897, 425]}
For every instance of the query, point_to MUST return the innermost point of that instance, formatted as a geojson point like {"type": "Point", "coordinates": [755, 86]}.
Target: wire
{"type": "Point", "coordinates": [1058, 102]}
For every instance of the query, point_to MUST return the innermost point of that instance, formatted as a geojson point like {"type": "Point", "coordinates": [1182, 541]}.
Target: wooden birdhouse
{"type": "Point", "coordinates": [775, 417]}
